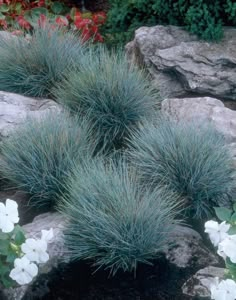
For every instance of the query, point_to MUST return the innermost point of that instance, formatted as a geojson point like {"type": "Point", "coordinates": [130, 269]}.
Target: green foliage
{"type": "Point", "coordinates": [203, 17]}
{"type": "Point", "coordinates": [114, 95]}
{"type": "Point", "coordinates": [38, 157]}
{"type": "Point", "coordinates": [32, 67]}
{"type": "Point", "coordinates": [113, 222]}
{"type": "Point", "coordinates": [191, 159]}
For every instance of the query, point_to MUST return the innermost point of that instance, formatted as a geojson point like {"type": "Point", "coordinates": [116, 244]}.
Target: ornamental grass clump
{"type": "Point", "coordinates": [114, 95]}
{"type": "Point", "coordinates": [31, 66]}
{"type": "Point", "coordinates": [191, 159]}
{"type": "Point", "coordinates": [37, 158]}
{"type": "Point", "coordinates": [111, 221]}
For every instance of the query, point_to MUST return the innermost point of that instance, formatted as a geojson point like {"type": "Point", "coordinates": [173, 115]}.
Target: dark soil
{"type": "Point", "coordinates": [161, 281]}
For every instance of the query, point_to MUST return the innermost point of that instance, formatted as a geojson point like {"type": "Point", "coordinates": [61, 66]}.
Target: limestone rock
{"type": "Point", "coordinates": [204, 109]}
{"type": "Point", "coordinates": [181, 64]}
{"type": "Point", "coordinates": [188, 250]}
{"type": "Point", "coordinates": [199, 284]}
{"type": "Point", "coordinates": [56, 248]}
{"type": "Point", "coordinates": [15, 108]}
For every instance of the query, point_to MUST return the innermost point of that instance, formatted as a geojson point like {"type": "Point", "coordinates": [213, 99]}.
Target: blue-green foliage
{"type": "Point", "coordinates": [38, 157]}
{"type": "Point", "coordinates": [114, 95]}
{"type": "Point", "coordinates": [112, 221]}
{"type": "Point", "coordinates": [32, 66]}
{"type": "Point", "coordinates": [191, 159]}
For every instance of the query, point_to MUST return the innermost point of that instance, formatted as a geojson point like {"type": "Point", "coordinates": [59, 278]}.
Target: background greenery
{"type": "Point", "coordinates": [203, 17]}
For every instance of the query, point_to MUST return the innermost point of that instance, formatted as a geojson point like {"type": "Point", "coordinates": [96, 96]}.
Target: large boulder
{"type": "Point", "coordinates": [205, 109]}
{"type": "Point", "coordinates": [188, 250]}
{"type": "Point", "coordinates": [199, 285]}
{"type": "Point", "coordinates": [180, 64]}
{"type": "Point", "coordinates": [15, 108]}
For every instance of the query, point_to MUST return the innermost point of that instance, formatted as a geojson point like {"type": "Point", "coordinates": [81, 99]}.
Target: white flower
{"type": "Point", "coordinates": [8, 215]}
{"type": "Point", "coordinates": [228, 246]}
{"type": "Point", "coordinates": [220, 251]}
{"type": "Point", "coordinates": [225, 290]}
{"type": "Point", "coordinates": [24, 271]}
{"type": "Point", "coordinates": [47, 235]}
{"type": "Point", "coordinates": [217, 232]}
{"type": "Point", "coordinates": [35, 250]}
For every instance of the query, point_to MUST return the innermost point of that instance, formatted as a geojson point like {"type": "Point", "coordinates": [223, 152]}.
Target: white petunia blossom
{"type": "Point", "coordinates": [24, 271]}
{"type": "Point", "coordinates": [228, 246]}
{"type": "Point", "coordinates": [217, 232]}
{"type": "Point", "coordinates": [8, 215]}
{"type": "Point", "coordinates": [225, 290]}
{"type": "Point", "coordinates": [35, 250]}
{"type": "Point", "coordinates": [47, 235]}
{"type": "Point", "coordinates": [220, 251]}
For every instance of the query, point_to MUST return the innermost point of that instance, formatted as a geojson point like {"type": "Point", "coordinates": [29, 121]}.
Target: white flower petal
{"type": "Point", "coordinates": [43, 257]}
{"type": "Point", "coordinates": [47, 235]}
{"type": "Point", "coordinates": [211, 225]}
{"type": "Point", "coordinates": [7, 227]}
{"type": "Point", "coordinates": [24, 271]}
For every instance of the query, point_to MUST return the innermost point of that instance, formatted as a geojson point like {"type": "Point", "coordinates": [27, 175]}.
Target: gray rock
{"type": "Point", "coordinates": [204, 109]}
{"type": "Point", "coordinates": [188, 250]}
{"type": "Point", "coordinates": [199, 284]}
{"type": "Point", "coordinates": [56, 248]}
{"type": "Point", "coordinates": [15, 108]}
{"type": "Point", "coordinates": [179, 63]}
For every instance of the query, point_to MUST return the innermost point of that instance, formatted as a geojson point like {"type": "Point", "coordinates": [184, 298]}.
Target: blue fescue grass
{"type": "Point", "coordinates": [190, 158]}
{"type": "Point", "coordinates": [112, 221]}
{"type": "Point", "coordinates": [32, 67]}
{"type": "Point", "coordinates": [37, 157]}
{"type": "Point", "coordinates": [114, 95]}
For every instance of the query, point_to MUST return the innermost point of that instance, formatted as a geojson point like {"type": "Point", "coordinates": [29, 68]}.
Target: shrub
{"type": "Point", "coordinates": [37, 158]}
{"type": "Point", "coordinates": [191, 159]}
{"type": "Point", "coordinates": [25, 15]}
{"type": "Point", "coordinates": [111, 221]}
{"type": "Point", "coordinates": [32, 67]}
{"type": "Point", "coordinates": [202, 17]}
{"type": "Point", "coordinates": [114, 95]}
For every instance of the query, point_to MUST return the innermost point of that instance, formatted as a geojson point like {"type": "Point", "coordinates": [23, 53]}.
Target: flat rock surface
{"type": "Point", "coordinates": [15, 108]}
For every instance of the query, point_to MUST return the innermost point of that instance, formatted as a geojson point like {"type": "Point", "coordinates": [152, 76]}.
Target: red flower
{"type": "Point", "coordinates": [3, 23]}
{"type": "Point", "coordinates": [82, 23]}
{"type": "Point", "coordinates": [23, 23]}
{"type": "Point", "coordinates": [42, 21]}
{"type": "Point", "coordinates": [98, 38]}
{"type": "Point", "coordinates": [99, 18]}
{"type": "Point", "coordinates": [62, 21]}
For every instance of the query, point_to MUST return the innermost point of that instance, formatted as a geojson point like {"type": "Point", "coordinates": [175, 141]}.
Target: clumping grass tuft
{"type": "Point", "coordinates": [32, 67]}
{"type": "Point", "coordinates": [114, 95]}
{"type": "Point", "coordinates": [111, 221]}
{"type": "Point", "coordinates": [191, 159]}
{"type": "Point", "coordinates": [38, 157]}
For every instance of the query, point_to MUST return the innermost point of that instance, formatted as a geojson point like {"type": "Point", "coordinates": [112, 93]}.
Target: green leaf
{"type": "Point", "coordinates": [224, 214]}
{"type": "Point", "coordinates": [11, 257]}
{"type": "Point", "coordinates": [2, 17]}
{"type": "Point", "coordinates": [19, 238]}
{"type": "Point", "coordinates": [231, 267]}
{"type": "Point", "coordinates": [37, 11]}
{"type": "Point", "coordinates": [233, 218]}
{"type": "Point", "coordinates": [4, 8]}
{"type": "Point", "coordinates": [4, 247]}
{"type": "Point", "coordinates": [18, 8]}
{"type": "Point", "coordinates": [232, 230]}
{"type": "Point", "coordinates": [4, 236]}
{"type": "Point", "coordinates": [57, 8]}
{"type": "Point", "coordinates": [234, 207]}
